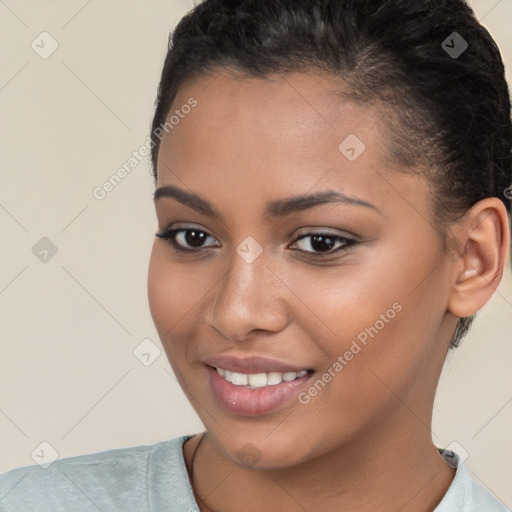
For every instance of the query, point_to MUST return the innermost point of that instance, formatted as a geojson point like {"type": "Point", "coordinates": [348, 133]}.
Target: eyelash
{"type": "Point", "coordinates": [348, 244]}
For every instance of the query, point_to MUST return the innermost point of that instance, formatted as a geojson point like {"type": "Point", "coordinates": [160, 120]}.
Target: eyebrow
{"type": "Point", "coordinates": [276, 208]}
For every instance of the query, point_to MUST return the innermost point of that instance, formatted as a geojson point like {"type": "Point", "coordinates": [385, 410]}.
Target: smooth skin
{"type": "Point", "coordinates": [364, 442]}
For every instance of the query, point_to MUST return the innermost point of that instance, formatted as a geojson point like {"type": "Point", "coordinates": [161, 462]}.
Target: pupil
{"type": "Point", "coordinates": [322, 242]}
{"type": "Point", "coordinates": [194, 242]}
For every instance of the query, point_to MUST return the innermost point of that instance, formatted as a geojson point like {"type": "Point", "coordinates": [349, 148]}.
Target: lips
{"type": "Point", "coordinates": [244, 399]}
{"type": "Point", "coordinates": [253, 364]}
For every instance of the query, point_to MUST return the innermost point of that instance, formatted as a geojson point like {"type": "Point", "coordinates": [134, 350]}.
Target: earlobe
{"type": "Point", "coordinates": [485, 234]}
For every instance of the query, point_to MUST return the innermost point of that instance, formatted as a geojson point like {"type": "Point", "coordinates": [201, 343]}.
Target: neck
{"type": "Point", "coordinates": [374, 472]}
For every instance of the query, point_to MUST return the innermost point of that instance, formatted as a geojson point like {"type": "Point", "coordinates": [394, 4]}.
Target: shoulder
{"type": "Point", "coordinates": [107, 480]}
{"type": "Point", "coordinates": [478, 498]}
{"type": "Point", "coordinates": [465, 494]}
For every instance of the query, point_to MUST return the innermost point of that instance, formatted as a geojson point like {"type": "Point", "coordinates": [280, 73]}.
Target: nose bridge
{"type": "Point", "coordinates": [243, 301]}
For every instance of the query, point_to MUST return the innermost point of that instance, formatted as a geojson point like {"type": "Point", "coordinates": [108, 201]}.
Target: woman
{"type": "Point", "coordinates": [332, 193]}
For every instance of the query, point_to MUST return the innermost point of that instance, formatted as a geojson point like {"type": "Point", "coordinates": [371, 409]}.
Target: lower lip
{"type": "Point", "coordinates": [256, 401]}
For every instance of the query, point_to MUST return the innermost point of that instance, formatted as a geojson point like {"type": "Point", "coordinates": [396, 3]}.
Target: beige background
{"type": "Point", "coordinates": [69, 326]}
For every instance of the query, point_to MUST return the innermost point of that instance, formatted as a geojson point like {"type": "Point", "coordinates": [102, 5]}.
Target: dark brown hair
{"type": "Point", "coordinates": [429, 64]}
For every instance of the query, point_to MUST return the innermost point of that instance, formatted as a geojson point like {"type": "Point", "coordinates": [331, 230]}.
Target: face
{"type": "Point", "coordinates": [328, 313]}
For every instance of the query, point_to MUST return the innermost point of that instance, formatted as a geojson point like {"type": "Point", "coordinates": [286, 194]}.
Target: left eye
{"type": "Point", "coordinates": [324, 243]}
{"type": "Point", "coordinates": [191, 240]}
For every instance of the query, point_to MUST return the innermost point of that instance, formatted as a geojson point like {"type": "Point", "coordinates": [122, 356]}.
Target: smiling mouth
{"type": "Point", "coordinates": [255, 394]}
{"type": "Point", "coordinates": [259, 380]}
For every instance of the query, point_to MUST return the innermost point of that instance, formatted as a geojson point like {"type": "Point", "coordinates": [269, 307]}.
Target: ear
{"type": "Point", "coordinates": [483, 237]}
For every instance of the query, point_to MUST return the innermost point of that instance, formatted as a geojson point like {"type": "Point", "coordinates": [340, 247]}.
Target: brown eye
{"type": "Point", "coordinates": [323, 243]}
{"type": "Point", "coordinates": [185, 239]}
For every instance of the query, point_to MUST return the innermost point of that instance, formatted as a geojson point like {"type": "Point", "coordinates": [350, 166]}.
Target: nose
{"type": "Point", "coordinates": [250, 297]}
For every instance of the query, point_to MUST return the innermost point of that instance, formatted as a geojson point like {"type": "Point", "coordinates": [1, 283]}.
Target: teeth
{"type": "Point", "coordinates": [259, 380]}
{"type": "Point", "coordinates": [239, 379]}
{"type": "Point", "coordinates": [274, 378]}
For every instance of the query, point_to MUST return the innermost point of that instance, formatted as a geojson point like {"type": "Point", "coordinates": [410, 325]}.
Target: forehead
{"type": "Point", "coordinates": [286, 135]}
{"type": "Point", "coordinates": [296, 104]}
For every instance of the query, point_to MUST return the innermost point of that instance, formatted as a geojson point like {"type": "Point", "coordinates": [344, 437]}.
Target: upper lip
{"type": "Point", "coordinates": [252, 364]}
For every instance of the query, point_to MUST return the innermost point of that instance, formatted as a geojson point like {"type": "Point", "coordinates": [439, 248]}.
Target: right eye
{"type": "Point", "coordinates": [179, 238]}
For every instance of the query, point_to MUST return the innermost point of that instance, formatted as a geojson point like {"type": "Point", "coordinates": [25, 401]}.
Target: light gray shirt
{"type": "Point", "coordinates": [154, 478]}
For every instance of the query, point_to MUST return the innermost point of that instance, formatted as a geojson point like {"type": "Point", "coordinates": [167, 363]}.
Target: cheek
{"type": "Point", "coordinates": [383, 322]}
{"type": "Point", "coordinates": [176, 299]}
{"type": "Point", "coordinates": [159, 298]}
{"type": "Point", "coordinates": [167, 294]}
{"type": "Point", "coordinates": [165, 291]}
{"type": "Point", "coordinates": [339, 303]}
